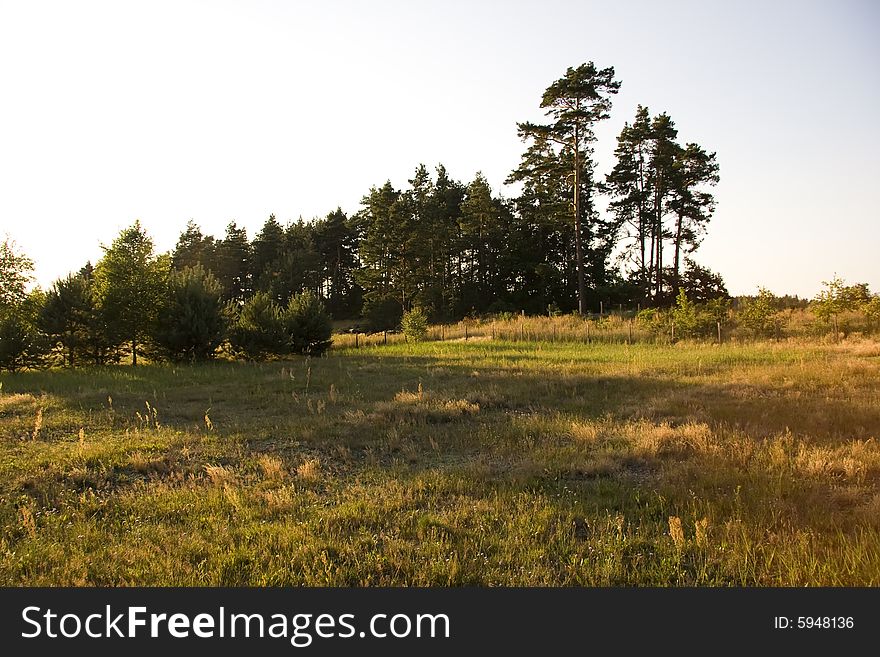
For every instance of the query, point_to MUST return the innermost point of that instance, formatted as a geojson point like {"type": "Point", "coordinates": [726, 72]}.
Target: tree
{"type": "Point", "coordinates": [701, 284]}
{"type": "Point", "coordinates": [301, 266]}
{"type": "Point", "coordinates": [15, 274]}
{"type": "Point", "coordinates": [692, 170]}
{"type": "Point", "coordinates": [655, 178]}
{"type": "Point", "coordinates": [385, 225]}
{"type": "Point", "coordinates": [575, 103]}
{"type": "Point", "coordinates": [382, 313]}
{"type": "Point", "coordinates": [257, 330]}
{"type": "Point", "coordinates": [68, 314]}
{"type": "Point", "coordinates": [130, 281]}
{"type": "Point", "coordinates": [415, 324]}
{"type": "Point", "coordinates": [193, 248]}
{"type": "Point", "coordinates": [664, 150]}
{"type": "Point", "coordinates": [266, 251]}
{"type": "Point", "coordinates": [233, 269]}
{"type": "Point", "coordinates": [336, 241]}
{"type": "Point", "coordinates": [837, 298]}
{"type": "Point", "coordinates": [413, 250]}
{"type": "Point", "coordinates": [22, 344]}
{"type": "Point", "coordinates": [307, 325]}
{"type": "Point", "coordinates": [539, 255]}
{"type": "Point", "coordinates": [99, 344]}
{"type": "Point", "coordinates": [630, 184]}
{"type": "Point", "coordinates": [480, 218]}
{"type": "Point", "coordinates": [192, 321]}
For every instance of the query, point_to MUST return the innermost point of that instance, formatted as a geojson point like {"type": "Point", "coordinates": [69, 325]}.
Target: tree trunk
{"type": "Point", "coordinates": [643, 234]}
{"type": "Point", "coordinates": [579, 252]}
{"type": "Point", "coordinates": [678, 228]}
{"type": "Point", "coordinates": [134, 353]}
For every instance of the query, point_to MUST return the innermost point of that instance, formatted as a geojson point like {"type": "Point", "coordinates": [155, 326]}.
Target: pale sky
{"type": "Point", "coordinates": [213, 111]}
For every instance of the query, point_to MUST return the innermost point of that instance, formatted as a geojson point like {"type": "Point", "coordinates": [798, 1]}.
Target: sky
{"type": "Point", "coordinates": [217, 111]}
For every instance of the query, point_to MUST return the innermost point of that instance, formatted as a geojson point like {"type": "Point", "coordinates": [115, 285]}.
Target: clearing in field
{"type": "Point", "coordinates": [456, 463]}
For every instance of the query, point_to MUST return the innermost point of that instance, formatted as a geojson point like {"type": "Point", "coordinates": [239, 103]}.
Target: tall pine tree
{"type": "Point", "coordinates": [574, 103]}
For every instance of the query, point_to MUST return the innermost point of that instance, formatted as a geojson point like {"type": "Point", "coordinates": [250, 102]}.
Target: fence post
{"type": "Point", "coordinates": [356, 345]}
{"type": "Point", "coordinates": [384, 337]}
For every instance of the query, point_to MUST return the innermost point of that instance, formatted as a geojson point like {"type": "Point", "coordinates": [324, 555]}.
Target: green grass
{"type": "Point", "coordinates": [450, 463]}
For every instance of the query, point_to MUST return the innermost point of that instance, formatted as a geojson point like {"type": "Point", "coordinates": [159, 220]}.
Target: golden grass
{"type": "Point", "coordinates": [309, 470]}
{"type": "Point", "coordinates": [220, 475]}
{"type": "Point", "coordinates": [477, 462]}
{"type": "Point", "coordinates": [272, 468]}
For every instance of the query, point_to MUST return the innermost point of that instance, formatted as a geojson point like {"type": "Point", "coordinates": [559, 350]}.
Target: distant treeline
{"type": "Point", "coordinates": [456, 249]}
{"type": "Point", "coordinates": [137, 302]}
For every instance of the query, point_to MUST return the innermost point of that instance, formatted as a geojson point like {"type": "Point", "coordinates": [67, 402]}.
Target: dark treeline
{"type": "Point", "coordinates": [456, 249]}
{"type": "Point", "coordinates": [320, 256]}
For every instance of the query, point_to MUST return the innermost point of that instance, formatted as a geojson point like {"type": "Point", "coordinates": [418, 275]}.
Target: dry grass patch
{"type": "Point", "coordinates": [309, 470]}
{"type": "Point", "coordinates": [418, 408]}
{"type": "Point", "coordinates": [147, 464]}
{"type": "Point", "coordinates": [221, 475]}
{"type": "Point", "coordinates": [279, 500]}
{"type": "Point", "coordinates": [272, 468]}
{"type": "Point", "coordinates": [650, 439]}
{"type": "Point", "coordinates": [16, 401]}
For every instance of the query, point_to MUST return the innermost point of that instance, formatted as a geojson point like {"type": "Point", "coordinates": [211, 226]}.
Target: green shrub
{"type": "Point", "coordinates": [22, 344]}
{"type": "Point", "coordinates": [697, 320]}
{"type": "Point", "coordinates": [871, 308]}
{"type": "Point", "coordinates": [837, 299]}
{"type": "Point", "coordinates": [257, 330]}
{"type": "Point", "coordinates": [760, 314]}
{"type": "Point", "coordinates": [307, 325]}
{"type": "Point", "coordinates": [192, 321]}
{"type": "Point", "coordinates": [415, 324]}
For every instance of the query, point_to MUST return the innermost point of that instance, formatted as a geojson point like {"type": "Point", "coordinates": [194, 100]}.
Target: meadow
{"type": "Point", "coordinates": [444, 463]}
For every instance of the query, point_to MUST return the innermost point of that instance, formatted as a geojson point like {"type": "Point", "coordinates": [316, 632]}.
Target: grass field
{"type": "Point", "coordinates": [450, 463]}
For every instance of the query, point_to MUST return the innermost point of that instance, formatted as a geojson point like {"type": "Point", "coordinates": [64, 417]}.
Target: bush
{"type": "Point", "coordinates": [415, 324]}
{"type": "Point", "coordinates": [22, 344]}
{"type": "Point", "coordinates": [192, 320]}
{"type": "Point", "coordinates": [307, 325]}
{"type": "Point", "coordinates": [697, 320]}
{"type": "Point", "coordinates": [760, 314]}
{"type": "Point", "coordinates": [872, 309]}
{"type": "Point", "coordinates": [838, 298]}
{"type": "Point", "coordinates": [257, 330]}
